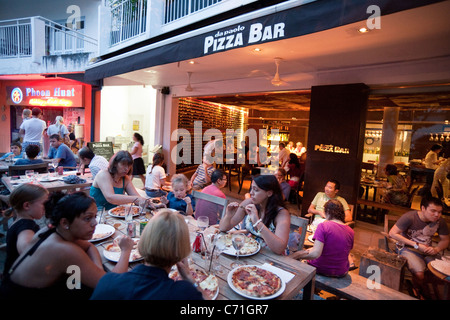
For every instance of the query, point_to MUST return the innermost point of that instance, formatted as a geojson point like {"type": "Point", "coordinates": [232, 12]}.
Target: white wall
{"type": "Point", "coordinates": [121, 105]}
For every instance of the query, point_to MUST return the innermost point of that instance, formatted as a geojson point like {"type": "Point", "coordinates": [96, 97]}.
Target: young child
{"type": "Point", "coordinates": [32, 152]}
{"type": "Point", "coordinates": [27, 204]}
{"type": "Point", "coordinates": [16, 151]}
{"type": "Point", "coordinates": [178, 198]}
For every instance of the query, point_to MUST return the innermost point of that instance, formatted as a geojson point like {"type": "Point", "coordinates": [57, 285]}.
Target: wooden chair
{"type": "Point", "coordinates": [389, 221]}
{"type": "Point", "coordinates": [214, 199]}
{"type": "Point", "coordinates": [299, 224]}
{"type": "Point", "coordinates": [20, 170]}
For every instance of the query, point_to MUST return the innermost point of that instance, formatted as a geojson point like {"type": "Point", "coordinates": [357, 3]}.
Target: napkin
{"type": "Point", "coordinates": [286, 276]}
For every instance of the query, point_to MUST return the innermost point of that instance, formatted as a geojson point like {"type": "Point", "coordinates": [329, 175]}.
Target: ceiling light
{"type": "Point", "coordinates": [257, 49]}
{"type": "Point", "coordinates": [191, 62]}
{"type": "Point", "coordinates": [363, 30]}
{"type": "Point", "coordinates": [150, 71]}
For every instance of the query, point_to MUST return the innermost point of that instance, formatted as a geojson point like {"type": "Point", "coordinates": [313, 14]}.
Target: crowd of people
{"type": "Point", "coordinates": [38, 257]}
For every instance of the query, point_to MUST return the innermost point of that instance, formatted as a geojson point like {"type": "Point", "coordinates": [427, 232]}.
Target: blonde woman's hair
{"type": "Point", "coordinates": [59, 120]}
{"type": "Point", "coordinates": [180, 178]}
{"type": "Point", "coordinates": [165, 240]}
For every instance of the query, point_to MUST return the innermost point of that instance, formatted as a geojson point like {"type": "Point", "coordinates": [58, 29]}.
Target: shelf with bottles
{"type": "Point", "coordinates": [281, 137]}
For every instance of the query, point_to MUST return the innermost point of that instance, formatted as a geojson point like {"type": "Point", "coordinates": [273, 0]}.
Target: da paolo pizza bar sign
{"type": "Point", "coordinates": [46, 96]}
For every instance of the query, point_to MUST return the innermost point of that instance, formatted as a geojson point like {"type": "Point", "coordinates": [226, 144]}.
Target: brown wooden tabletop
{"type": "Point", "coordinates": [303, 274]}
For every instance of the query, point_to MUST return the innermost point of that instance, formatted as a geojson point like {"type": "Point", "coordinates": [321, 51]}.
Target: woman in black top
{"type": "Point", "coordinates": [27, 204]}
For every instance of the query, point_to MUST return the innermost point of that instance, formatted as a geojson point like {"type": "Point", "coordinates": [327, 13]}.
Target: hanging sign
{"type": "Point", "coordinates": [46, 96]}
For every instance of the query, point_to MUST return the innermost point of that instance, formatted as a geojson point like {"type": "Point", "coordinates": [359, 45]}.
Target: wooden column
{"type": "Point", "coordinates": [337, 124]}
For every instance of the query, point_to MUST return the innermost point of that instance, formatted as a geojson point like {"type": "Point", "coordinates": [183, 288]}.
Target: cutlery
{"type": "Point", "coordinates": [282, 266]}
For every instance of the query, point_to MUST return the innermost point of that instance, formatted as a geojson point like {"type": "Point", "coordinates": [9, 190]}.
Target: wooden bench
{"type": "Point", "coordinates": [354, 287]}
{"type": "Point", "coordinates": [386, 206]}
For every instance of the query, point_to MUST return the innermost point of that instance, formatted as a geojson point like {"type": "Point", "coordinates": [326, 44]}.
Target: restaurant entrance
{"type": "Point", "coordinates": [423, 115]}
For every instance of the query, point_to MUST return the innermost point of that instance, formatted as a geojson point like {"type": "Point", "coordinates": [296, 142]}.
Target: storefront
{"type": "Point", "coordinates": [69, 99]}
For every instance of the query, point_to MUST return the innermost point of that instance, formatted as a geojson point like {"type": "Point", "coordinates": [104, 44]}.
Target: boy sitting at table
{"type": "Point", "coordinates": [32, 152]}
{"type": "Point", "coordinates": [16, 151]}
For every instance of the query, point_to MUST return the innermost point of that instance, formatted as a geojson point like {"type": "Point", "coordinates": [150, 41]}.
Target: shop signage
{"type": "Point", "coordinates": [330, 148]}
{"type": "Point", "coordinates": [233, 38]}
{"type": "Point", "coordinates": [46, 96]}
{"type": "Point", "coordinates": [102, 148]}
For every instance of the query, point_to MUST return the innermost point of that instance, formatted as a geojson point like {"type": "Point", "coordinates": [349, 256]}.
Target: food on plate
{"type": "Point", "coordinates": [251, 245]}
{"type": "Point", "coordinates": [255, 281]}
{"type": "Point", "coordinates": [208, 283]}
{"type": "Point", "coordinates": [101, 235]}
{"type": "Point", "coordinates": [121, 211]}
{"type": "Point", "coordinates": [134, 255]}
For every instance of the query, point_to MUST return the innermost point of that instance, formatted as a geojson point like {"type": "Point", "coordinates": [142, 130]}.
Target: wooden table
{"type": "Point", "coordinates": [442, 280]}
{"type": "Point", "coordinates": [51, 186]}
{"type": "Point", "coordinates": [304, 274]}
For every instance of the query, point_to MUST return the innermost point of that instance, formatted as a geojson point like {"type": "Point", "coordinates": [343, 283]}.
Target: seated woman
{"type": "Point", "coordinates": [109, 186]}
{"type": "Point", "coordinates": [179, 198]}
{"type": "Point", "coordinates": [164, 243]}
{"type": "Point", "coordinates": [263, 214]}
{"type": "Point", "coordinates": [41, 272]}
{"type": "Point", "coordinates": [395, 191]}
{"type": "Point", "coordinates": [333, 240]}
{"type": "Point", "coordinates": [156, 177]}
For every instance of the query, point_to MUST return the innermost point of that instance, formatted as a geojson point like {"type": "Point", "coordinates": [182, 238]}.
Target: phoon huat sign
{"type": "Point", "coordinates": [46, 96]}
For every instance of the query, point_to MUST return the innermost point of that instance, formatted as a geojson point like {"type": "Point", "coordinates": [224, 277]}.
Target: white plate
{"type": "Point", "coordinates": [104, 229]}
{"type": "Point", "coordinates": [218, 287]}
{"type": "Point", "coordinates": [441, 266]}
{"type": "Point", "coordinates": [49, 179]}
{"type": "Point", "coordinates": [127, 207]}
{"type": "Point", "coordinates": [229, 250]}
{"type": "Point", "coordinates": [278, 293]}
{"type": "Point", "coordinates": [114, 256]}
{"type": "Point", "coordinates": [310, 238]}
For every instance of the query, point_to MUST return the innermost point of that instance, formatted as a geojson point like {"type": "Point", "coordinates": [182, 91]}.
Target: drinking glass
{"type": "Point", "coordinates": [238, 241]}
{"type": "Point", "coordinates": [399, 245]}
{"type": "Point", "coordinates": [29, 173]}
{"type": "Point", "coordinates": [54, 164]}
{"type": "Point", "coordinates": [202, 223]}
{"type": "Point", "coordinates": [219, 247]}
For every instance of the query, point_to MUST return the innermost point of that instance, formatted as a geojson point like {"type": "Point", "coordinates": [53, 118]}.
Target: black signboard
{"type": "Point", "coordinates": [104, 149]}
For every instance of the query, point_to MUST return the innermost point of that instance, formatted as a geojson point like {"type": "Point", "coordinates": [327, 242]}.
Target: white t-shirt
{"type": "Point", "coordinates": [33, 129]}
{"type": "Point", "coordinates": [153, 179]}
{"type": "Point", "coordinates": [53, 129]}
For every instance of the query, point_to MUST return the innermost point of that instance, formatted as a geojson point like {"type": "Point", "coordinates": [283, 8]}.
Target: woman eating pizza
{"type": "Point", "coordinates": [263, 214]}
{"type": "Point", "coordinates": [114, 187]}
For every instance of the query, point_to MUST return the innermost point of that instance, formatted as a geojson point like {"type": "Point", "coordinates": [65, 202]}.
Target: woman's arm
{"type": "Point", "coordinates": [24, 239]}
{"type": "Point", "coordinates": [310, 254]}
{"type": "Point", "coordinates": [234, 214]}
{"type": "Point", "coordinates": [277, 241]}
{"type": "Point", "coordinates": [105, 182]}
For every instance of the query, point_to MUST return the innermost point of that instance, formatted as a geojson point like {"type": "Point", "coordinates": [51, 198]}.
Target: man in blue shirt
{"type": "Point", "coordinates": [61, 152]}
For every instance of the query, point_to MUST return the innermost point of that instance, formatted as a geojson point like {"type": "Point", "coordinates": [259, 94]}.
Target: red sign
{"type": "Point", "coordinates": [46, 96]}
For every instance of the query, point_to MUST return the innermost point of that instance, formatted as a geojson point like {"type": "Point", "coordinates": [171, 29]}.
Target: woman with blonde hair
{"type": "Point", "coordinates": [58, 128]}
{"type": "Point", "coordinates": [163, 244]}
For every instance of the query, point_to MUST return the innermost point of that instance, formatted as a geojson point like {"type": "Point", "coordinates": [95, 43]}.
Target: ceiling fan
{"type": "Point", "coordinates": [276, 81]}
{"type": "Point", "coordinates": [188, 87]}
